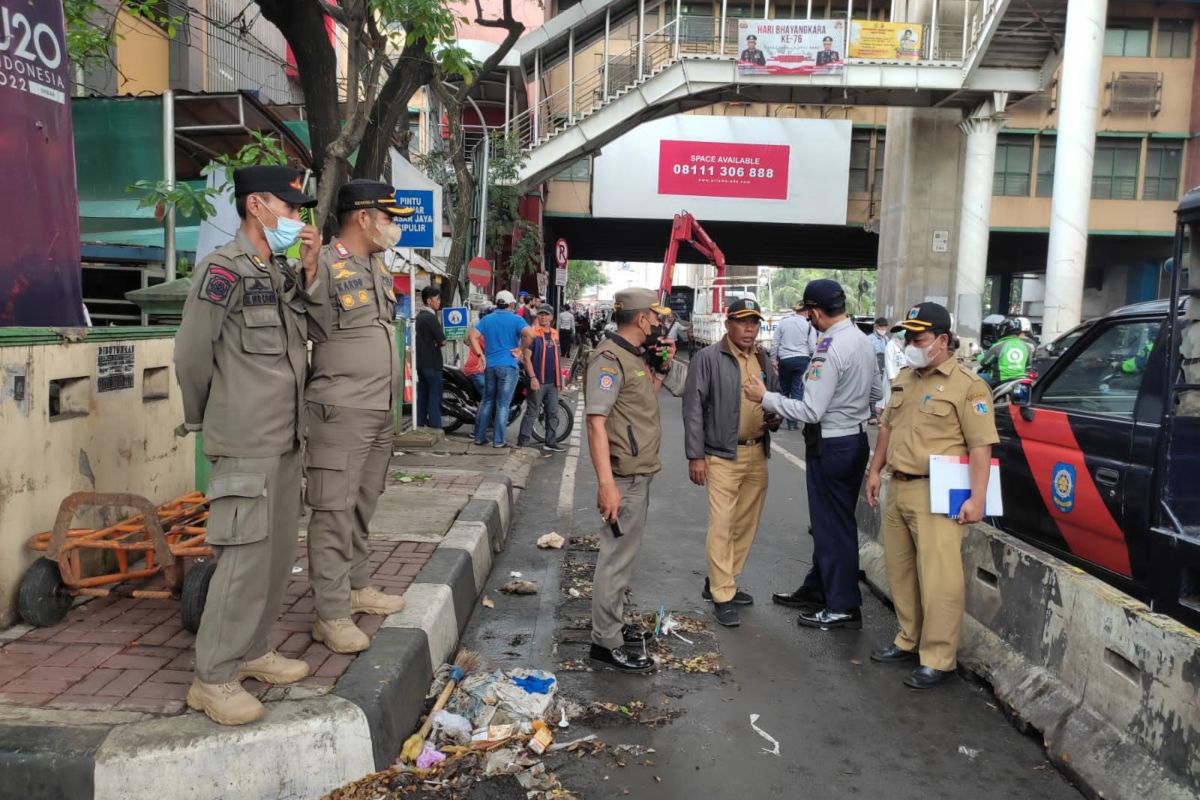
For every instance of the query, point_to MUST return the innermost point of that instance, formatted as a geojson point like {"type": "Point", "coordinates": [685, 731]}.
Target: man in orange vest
{"type": "Point", "coordinates": [545, 377]}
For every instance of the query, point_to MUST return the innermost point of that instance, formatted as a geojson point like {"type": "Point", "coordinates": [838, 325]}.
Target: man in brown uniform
{"type": "Point", "coordinates": [240, 361]}
{"type": "Point", "coordinates": [355, 379]}
{"type": "Point", "coordinates": [937, 407]}
{"type": "Point", "coordinates": [624, 432]}
{"type": "Point", "coordinates": [727, 441]}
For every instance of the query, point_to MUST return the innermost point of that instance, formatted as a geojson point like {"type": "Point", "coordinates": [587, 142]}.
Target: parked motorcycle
{"type": "Point", "coordinates": [461, 401]}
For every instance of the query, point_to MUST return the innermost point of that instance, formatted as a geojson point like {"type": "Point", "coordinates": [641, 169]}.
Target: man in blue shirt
{"type": "Point", "coordinates": [505, 336]}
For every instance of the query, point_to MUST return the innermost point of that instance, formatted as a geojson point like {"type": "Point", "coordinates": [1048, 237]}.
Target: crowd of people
{"type": "Point", "coordinates": [246, 381]}
{"type": "Point", "coordinates": [821, 372]}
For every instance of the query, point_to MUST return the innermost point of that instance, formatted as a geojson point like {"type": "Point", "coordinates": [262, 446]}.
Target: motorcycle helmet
{"type": "Point", "coordinates": [1011, 326]}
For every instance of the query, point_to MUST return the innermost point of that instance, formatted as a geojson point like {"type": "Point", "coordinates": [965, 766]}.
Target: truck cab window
{"type": "Point", "coordinates": [1105, 377]}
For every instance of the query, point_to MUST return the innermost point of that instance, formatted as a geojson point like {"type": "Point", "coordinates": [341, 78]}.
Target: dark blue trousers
{"type": "Point", "coordinates": [791, 380]}
{"type": "Point", "coordinates": [834, 481]}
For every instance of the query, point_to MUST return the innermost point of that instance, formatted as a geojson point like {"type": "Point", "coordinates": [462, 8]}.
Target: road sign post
{"type": "Point", "coordinates": [454, 323]}
{"type": "Point", "coordinates": [479, 272]}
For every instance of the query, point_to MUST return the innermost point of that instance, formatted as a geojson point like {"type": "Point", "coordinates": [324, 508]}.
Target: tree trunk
{"type": "Point", "coordinates": [414, 69]}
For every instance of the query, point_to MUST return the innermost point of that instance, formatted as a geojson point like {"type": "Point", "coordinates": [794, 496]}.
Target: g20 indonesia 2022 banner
{"type": "Point", "coordinates": [791, 47]}
{"type": "Point", "coordinates": [39, 261]}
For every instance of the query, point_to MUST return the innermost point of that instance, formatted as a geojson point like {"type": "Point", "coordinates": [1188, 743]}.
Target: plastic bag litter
{"type": "Point", "coordinates": [429, 756]}
{"type": "Point", "coordinates": [551, 540]}
{"type": "Point", "coordinates": [501, 761]}
{"type": "Point", "coordinates": [451, 728]}
{"type": "Point", "coordinates": [484, 697]}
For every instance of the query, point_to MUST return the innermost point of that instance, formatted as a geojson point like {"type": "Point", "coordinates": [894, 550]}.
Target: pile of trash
{"type": "Point", "coordinates": [486, 724]}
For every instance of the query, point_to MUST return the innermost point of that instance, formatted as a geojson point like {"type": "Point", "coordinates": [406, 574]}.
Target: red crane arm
{"type": "Point", "coordinates": [685, 228]}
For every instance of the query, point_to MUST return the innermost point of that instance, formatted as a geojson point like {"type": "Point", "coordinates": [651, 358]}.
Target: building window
{"type": "Point", "coordinates": [1163, 160]}
{"type": "Point", "coordinates": [1045, 172]}
{"type": "Point", "coordinates": [1174, 38]}
{"type": "Point", "coordinates": [1014, 159]}
{"type": "Point", "coordinates": [877, 186]}
{"type": "Point", "coordinates": [579, 172]}
{"type": "Point", "coordinates": [1128, 37]}
{"type": "Point", "coordinates": [1115, 173]}
{"type": "Point", "coordinates": [860, 160]}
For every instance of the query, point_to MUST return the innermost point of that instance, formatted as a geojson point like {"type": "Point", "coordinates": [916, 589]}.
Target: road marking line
{"type": "Point", "coordinates": [566, 491]}
{"type": "Point", "coordinates": [775, 447]}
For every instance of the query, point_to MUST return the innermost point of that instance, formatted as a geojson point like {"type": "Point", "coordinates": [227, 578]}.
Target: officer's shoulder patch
{"type": "Point", "coordinates": [824, 345]}
{"type": "Point", "coordinates": [217, 286]}
{"type": "Point", "coordinates": [606, 378]}
{"type": "Point", "coordinates": [341, 250]}
{"type": "Point", "coordinates": [610, 355]}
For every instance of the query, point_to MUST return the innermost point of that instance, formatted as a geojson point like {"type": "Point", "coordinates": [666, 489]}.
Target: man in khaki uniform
{"type": "Point", "coordinates": [624, 432]}
{"type": "Point", "coordinates": [937, 407]}
{"type": "Point", "coordinates": [240, 361]}
{"type": "Point", "coordinates": [727, 440]}
{"type": "Point", "coordinates": [356, 377]}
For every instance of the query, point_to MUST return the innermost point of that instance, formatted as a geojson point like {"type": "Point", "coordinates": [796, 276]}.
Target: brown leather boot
{"type": "Point", "coordinates": [370, 600]}
{"type": "Point", "coordinates": [274, 668]}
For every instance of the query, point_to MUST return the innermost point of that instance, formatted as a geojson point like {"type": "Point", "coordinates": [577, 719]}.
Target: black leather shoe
{"type": "Point", "coordinates": [633, 635]}
{"type": "Point", "coordinates": [827, 620]}
{"type": "Point", "coordinates": [622, 659]}
{"type": "Point", "coordinates": [726, 614]}
{"type": "Point", "coordinates": [740, 598]}
{"type": "Point", "coordinates": [926, 677]}
{"type": "Point", "coordinates": [801, 598]}
{"type": "Point", "coordinates": [893, 655]}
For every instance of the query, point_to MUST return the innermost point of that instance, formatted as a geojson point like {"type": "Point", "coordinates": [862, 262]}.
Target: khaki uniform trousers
{"type": "Point", "coordinates": [615, 563]}
{"type": "Point", "coordinates": [253, 522]}
{"type": "Point", "coordinates": [346, 464]}
{"type": "Point", "coordinates": [737, 490]}
{"type": "Point", "coordinates": [923, 555]}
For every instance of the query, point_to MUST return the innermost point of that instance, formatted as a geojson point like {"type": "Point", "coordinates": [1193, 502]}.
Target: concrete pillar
{"type": "Point", "coordinates": [974, 225]}
{"type": "Point", "coordinates": [919, 209]}
{"type": "Point", "coordinates": [1078, 91]}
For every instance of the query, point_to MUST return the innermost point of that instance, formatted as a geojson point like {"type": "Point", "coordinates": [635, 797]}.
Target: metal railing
{"type": "Point", "coordinates": [551, 114]}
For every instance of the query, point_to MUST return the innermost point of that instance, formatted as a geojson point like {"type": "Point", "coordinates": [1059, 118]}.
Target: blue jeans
{"type": "Point", "coordinates": [791, 381]}
{"type": "Point", "coordinates": [429, 398]}
{"type": "Point", "coordinates": [477, 380]}
{"type": "Point", "coordinates": [498, 387]}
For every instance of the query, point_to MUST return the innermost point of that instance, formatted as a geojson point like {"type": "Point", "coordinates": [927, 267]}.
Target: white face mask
{"type": "Point", "coordinates": [917, 357]}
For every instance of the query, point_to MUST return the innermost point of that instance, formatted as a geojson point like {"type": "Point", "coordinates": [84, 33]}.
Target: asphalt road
{"type": "Point", "coordinates": [845, 726]}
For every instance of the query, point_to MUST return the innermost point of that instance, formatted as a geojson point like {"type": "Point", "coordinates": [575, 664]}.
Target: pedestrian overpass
{"type": "Point", "coordinates": [602, 67]}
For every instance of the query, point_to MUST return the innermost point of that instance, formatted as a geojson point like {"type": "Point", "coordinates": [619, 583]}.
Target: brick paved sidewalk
{"type": "Point", "coordinates": [133, 654]}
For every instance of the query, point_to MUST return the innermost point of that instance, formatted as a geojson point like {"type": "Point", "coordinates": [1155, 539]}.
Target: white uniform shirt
{"type": "Point", "coordinates": [837, 387]}
{"type": "Point", "coordinates": [794, 337]}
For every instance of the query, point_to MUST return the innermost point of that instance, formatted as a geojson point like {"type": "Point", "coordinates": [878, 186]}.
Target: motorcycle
{"type": "Point", "coordinates": [461, 401]}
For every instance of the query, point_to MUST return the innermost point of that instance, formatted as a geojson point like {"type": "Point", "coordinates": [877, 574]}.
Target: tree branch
{"type": "Point", "coordinates": [337, 12]}
{"type": "Point", "coordinates": [509, 23]}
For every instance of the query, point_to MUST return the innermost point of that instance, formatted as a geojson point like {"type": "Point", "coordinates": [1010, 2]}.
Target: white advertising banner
{"type": "Point", "coordinates": [738, 169]}
{"type": "Point", "coordinates": [791, 46]}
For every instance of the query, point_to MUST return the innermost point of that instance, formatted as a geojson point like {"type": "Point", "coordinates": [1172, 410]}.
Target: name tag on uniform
{"type": "Point", "coordinates": [258, 292]}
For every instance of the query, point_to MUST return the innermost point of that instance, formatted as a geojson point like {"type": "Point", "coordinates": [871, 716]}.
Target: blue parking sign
{"type": "Point", "coordinates": [418, 230]}
{"type": "Point", "coordinates": [454, 322]}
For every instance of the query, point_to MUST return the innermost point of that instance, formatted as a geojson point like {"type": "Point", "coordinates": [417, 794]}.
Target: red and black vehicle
{"type": "Point", "coordinates": [1102, 450]}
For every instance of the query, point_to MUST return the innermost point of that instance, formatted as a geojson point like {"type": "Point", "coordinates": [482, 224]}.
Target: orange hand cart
{"type": "Point", "coordinates": [154, 542]}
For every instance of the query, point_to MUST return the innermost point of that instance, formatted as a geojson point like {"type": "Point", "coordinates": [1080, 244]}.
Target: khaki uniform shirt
{"type": "Point", "coordinates": [619, 386]}
{"type": "Point", "coordinates": [240, 353]}
{"type": "Point", "coordinates": [750, 419]}
{"type": "Point", "coordinates": [947, 412]}
{"type": "Point", "coordinates": [354, 358]}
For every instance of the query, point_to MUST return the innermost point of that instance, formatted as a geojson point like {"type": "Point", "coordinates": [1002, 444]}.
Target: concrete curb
{"type": "Point", "coordinates": [1109, 684]}
{"type": "Point", "coordinates": [303, 748]}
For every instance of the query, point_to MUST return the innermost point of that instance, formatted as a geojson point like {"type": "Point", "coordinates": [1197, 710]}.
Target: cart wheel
{"type": "Point", "coordinates": [43, 599]}
{"type": "Point", "coordinates": [195, 593]}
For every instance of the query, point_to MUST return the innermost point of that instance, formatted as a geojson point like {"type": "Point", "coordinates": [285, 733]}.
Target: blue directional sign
{"type": "Point", "coordinates": [454, 322]}
{"type": "Point", "coordinates": [418, 230]}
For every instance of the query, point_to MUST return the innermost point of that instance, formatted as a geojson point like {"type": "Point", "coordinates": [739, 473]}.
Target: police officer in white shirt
{"type": "Point", "coordinates": [835, 409]}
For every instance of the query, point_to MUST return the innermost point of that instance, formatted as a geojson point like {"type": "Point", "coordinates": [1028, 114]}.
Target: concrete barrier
{"type": "Point", "coordinates": [1113, 688]}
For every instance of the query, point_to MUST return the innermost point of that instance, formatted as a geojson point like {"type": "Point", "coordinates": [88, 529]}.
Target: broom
{"type": "Point", "coordinates": [464, 663]}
